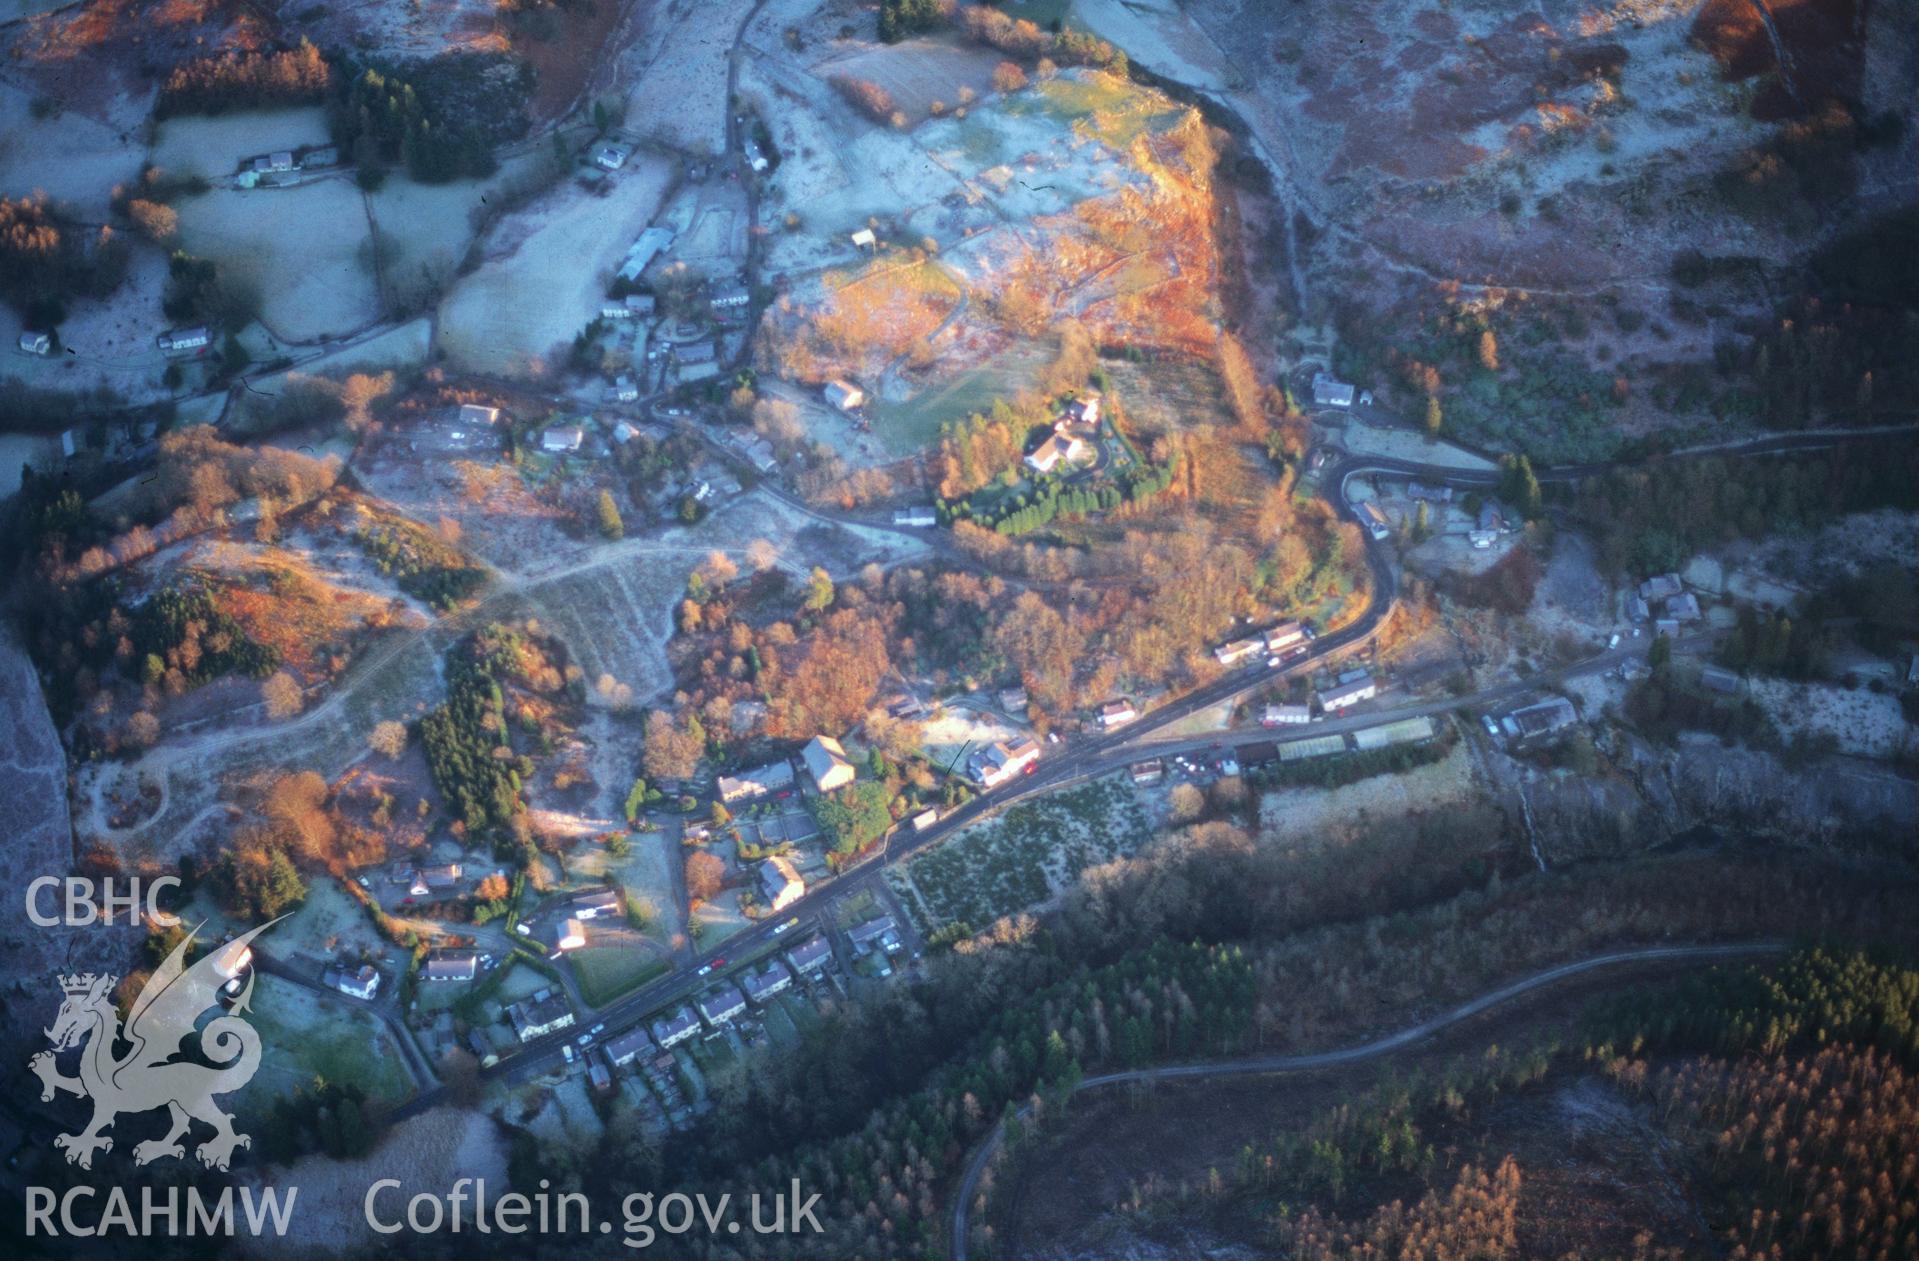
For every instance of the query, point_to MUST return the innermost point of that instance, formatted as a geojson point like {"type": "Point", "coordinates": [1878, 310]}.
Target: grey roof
{"type": "Point", "coordinates": [451, 965]}
{"type": "Point", "coordinates": [767, 980]}
{"type": "Point", "coordinates": [809, 954]}
{"type": "Point", "coordinates": [871, 930]}
{"type": "Point", "coordinates": [1347, 690]}
{"type": "Point", "coordinates": [721, 1003]}
{"type": "Point", "coordinates": [1547, 716]}
{"type": "Point", "coordinates": [634, 1042]}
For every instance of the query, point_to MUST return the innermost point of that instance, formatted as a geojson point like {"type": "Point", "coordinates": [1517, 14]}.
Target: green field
{"type": "Point", "coordinates": [607, 972]}
{"type": "Point", "coordinates": [904, 428]}
{"type": "Point", "coordinates": [304, 1035]}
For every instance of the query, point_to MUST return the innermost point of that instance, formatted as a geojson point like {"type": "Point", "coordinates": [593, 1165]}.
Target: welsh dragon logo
{"type": "Point", "coordinates": [152, 1074]}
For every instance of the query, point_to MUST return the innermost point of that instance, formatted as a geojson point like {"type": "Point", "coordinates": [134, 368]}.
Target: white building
{"type": "Point", "coordinates": [36, 343]}
{"type": "Point", "coordinates": [826, 762]}
{"type": "Point", "coordinates": [1285, 715]}
{"type": "Point", "coordinates": [1362, 688]}
{"type": "Point", "coordinates": [1058, 449]}
{"type": "Point", "coordinates": [361, 983]}
{"type": "Point", "coordinates": [1237, 651]}
{"type": "Point", "coordinates": [562, 438]}
{"type": "Point", "coordinates": [1285, 635]}
{"type": "Point", "coordinates": [781, 884]}
{"type": "Point", "coordinates": [611, 156]}
{"type": "Point", "coordinates": [1116, 714]}
{"type": "Point", "coordinates": [845, 395]}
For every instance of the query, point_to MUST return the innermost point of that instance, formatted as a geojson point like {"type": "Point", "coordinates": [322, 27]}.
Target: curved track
{"type": "Point", "coordinates": [1261, 1064]}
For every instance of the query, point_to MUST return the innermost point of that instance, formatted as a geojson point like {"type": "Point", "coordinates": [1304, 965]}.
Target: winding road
{"type": "Point", "coordinates": [1264, 1064]}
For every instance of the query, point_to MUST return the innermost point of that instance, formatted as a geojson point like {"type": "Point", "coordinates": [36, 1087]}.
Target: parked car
{"type": "Point", "coordinates": [1492, 728]}
{"type": "Point", "coordinates": [788, 924]}
{"type": "Point", "coordinates": [596, 1030]}
{"type": "Point", "coordinates": [705, 968]}
{"type": "Point", "coordinates": [1613, 642]}
{"type": "Point", "coordinates": [567, 1051]}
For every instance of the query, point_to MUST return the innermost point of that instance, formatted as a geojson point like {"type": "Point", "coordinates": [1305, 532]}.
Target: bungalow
{"type": "Point", "coordinates": [915, 518]}
{"type": "Point", "coordinates": [1286, 715]}
{"type": "Point", "coordinates": [1547, 716]}
{"type": "Point", "coordinates": [36, 343]}
{"type": "Point", "coordinates": [1362, 688]}
{"type": "Point", "coordinates": [562, 438]}
{"type": "Point", "coordinates": [881, 932]}
{"type": "Point", "coordinates": [361, 983]}
{"type": "Point", "coordinates": [475, 416]}
{"type": "Point", "coordinates": [759, 782]}
{"type": "Point", "coordinates": [177, 339]}
{"type": "Point", "coordinates": [1374, 520]}
{"type": "Point", "coordinates": [1116, 714]}
{"type": "Point", "coordinates": [593, 903]}
{"type": "Point", "coordinates": [781, 884]}
{"type": "Point", "coordinates": [1150, 771]}
{"type": "Point", "coordinates": [1001, 761]}
{"type": "Point", "coordinates": [721, 1006]}
{"type": "Point", "coordinates": [1683, 607]}
{"type": "Point", "coordinates": [611, 156]}
{"type": "Point", "coordinates": [1058, 449]}
{"type": "Point", "coordinates": [845, 395]}
{"type": "Point", "coordinates": [569, 934]}
{"type": "Point", "coordinates": [766, 982]}
{"type": "Point", "coordinates": [676, 1028]}
{"type": "Point", "coordinates": [1284, 636]}
{"type": "Point", "coordinates": [826, 762]}
{"type": "Point", "coordinates": [1237, 651]}
{"type": "Point", "coordinates": [450, 965]}
{"type": "Point", "coordinates": [624, 1048]}
{"type": "Point", "coordinates": [1660, 587]}
{"type": "Point", "coordinates": [810, 955]}
{"type": "Point", "coordinates": [546, 1012]}
{"type": "Point", "coordinates": [1329, 392]}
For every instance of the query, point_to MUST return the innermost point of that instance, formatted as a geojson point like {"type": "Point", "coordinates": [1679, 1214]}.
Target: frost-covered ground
{"type": "Point", "coordinates": [544, 272]}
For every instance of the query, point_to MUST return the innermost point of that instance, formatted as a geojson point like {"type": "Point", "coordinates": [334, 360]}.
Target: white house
{"type": "Point", "coordinates": [1362, 688]}
{"type": "Point", "coordinates": [845, 395]}
{"type": "Point", "coordinates": [562, 438]}
{"type": "Point", "coordinates": [781, 884]}
{"type": "Point", "coordinates": [1058, 449]}
{"type": "Point", "coordinates": [1002, 761]}
{"type": "Point", "coordinates": [757, 782]}
{"type": "Point", "coordinates": [361, 983]}
{"type": "Point", "coordinates": [676, 1028]}
{"type": "Point", "coordinates": [1285, 715]}
{"type": "Point", "coordinates": [1115, 714]}
{"type": "Point", "coordinates": [36, 343]}
{"type": "Point", "coordinates": [826, 762]}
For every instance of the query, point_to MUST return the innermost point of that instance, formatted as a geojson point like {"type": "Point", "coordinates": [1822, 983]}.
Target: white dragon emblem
{"type": "Point", "coordinates": [151, 1074]}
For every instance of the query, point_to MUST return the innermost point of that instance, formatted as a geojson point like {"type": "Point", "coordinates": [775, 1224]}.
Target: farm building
{"type": "Point", "coordinates": [845, 396]}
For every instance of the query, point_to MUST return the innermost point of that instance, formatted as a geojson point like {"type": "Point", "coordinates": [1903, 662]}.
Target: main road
{"type": "Point", "coordinates": [1082, 759]}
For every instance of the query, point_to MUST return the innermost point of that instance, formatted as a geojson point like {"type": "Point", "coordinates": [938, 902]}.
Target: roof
{"type": "Point", "coordinates": [645, 248]}
{"type": "Point", "coordinates": [871, 930]}
{"type": "Point", "coordinates": [595, 900]}
{"type": "Point", "coordinates": [679, 1022]}
{"type": "Point", "coordinates": [721, 1002]}
{"type": "Point", "coordinates": [1661, 586]}
{"type": "Point", "coordinates": [768, 980]}
{"type": "Point", "coordinates": [1544, 717]}
{"type": "Point", "coordinates": [1113, 709]}
{"type": "Point", "coordinates": [810, 953]}
{"type": "Point", "coordinates": [1719, 679]}
{"type": "Point", "coordinates": [450, 965]}
{"type": "Point", "coordinates": [635, 1041]}
{"type": "Point", "coordinates": [823, 755]}
{"type": "Point", "coordinates": [756, 781]}
{"type": "Point", "coordinates": [478, 414]}
{"type": "Point", "coordinates": [694, 352]}
{"type": "Point", "coordinates": [777, 876]}
{"type": "Point", "coordinates": [1331, 392]}
{"type": "Point", "coordinates": [844, 394]}
{"type": "Point", "coordinates": [1352, 690]}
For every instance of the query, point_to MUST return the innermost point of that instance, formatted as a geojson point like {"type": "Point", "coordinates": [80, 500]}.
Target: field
{"type": "Point", "coordinates": [911, 425]}
{"type": "Point", "coordinates": [1023, 857]}
{"type": "Point", "coordinates": [306, 1035]}
{"type": "Point", "coordinates": [917, 73]}
{"type": "Point", "coordinates": [214, 147]}
{"type": "Point", "coordinates": [305, 250]}
{"type": "Point", "coordinates": [544, 273]}
{"type": "Point", "coordinates": [680, 74]}
{"type": "Point", "coordinates": [426, 229]}
{"type": "Point", "coordinates": [608, 972]}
